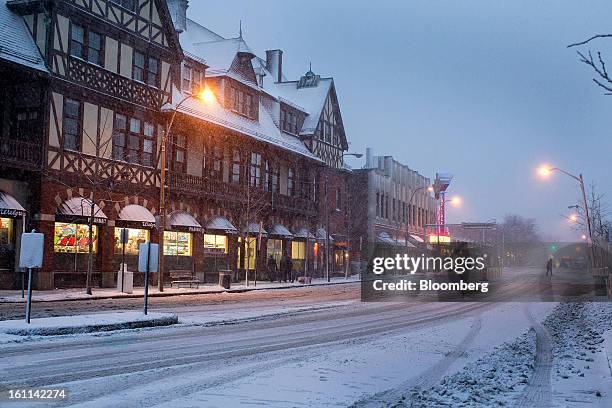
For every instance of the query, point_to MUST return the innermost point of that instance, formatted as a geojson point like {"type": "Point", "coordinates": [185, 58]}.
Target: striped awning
{"type": "Point", "coordinates": [9, 206]}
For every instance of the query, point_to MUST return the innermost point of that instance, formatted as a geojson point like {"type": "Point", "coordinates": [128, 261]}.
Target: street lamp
{"type": "Point", "coordinates": [206, 95]}
{"type": "Point", "coordinates": [545, 171]}
{"type": "Point", "coordinates": [357, 155]}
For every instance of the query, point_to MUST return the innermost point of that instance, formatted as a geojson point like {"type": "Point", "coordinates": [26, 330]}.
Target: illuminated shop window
{"type": "Point", "coordinates": [249, 254]}
{"type": "Point", "coordinates": [134, 239]}
{"type": "Point", "coordinates": [74, 238]}
{"type": "Point", "coordinates": [275, 248]}
{"type": "Point", "coordinates": [177, 243]}
{"type": "Point", "coordinates": [215, 244]}
{"type": "Point", "coordinates": [6, 231]}
{"type": "Point", "coordinates": [298, 250]}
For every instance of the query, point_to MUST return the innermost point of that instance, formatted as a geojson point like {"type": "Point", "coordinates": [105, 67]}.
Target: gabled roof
{"type": "Point", "coordinates": [220, 54]}
{"type": "Point", "coordinates": [16, 42]}
{"type": "Point", "coordinates": [311, 98]}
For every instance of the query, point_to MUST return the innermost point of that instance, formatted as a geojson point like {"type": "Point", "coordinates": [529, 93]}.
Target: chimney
{"type": "Point", "coordinates": [369, 158]}
{"type": "Point", "coordinates": [178, 12]}
{"type": "Point", "coordinates": [274, 63]}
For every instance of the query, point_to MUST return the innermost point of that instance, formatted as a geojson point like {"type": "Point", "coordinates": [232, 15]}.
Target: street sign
{"type": "Point", "coordinates": [148, 263]}
{"type": "Point", "coordinates": [31, 256]}
{"type": "Point", "coordinates": [124, 236]}
{"type": "Point", "coordinates": [31, 253]}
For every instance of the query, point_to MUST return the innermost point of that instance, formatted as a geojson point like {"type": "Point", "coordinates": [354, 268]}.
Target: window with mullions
{"type": "Point", "coordinates": [180, 153]}
{"type": "Point", "coordinates": [119, 137]}
{"type": "Point", "coordinates": [290, 182]}
{"type": "Point", "coordinates": [26, 124]}
{"type": "Point", "coordinates": [255, 170]}
{"type": "Point", "coordinates": [187, 78]}
{"type": "Point", "coordinates": [274, 177]}
{"type": "Point", "coordinates": [72, 124]}
{"type": "Point", "coordinates": [217, 160]}
{"type": "Point", "coordinates": [86, 44]}
{"type": "Point", "coordinates": [133, 140]}
{"type": "Point", "coordinates": [242, 102]}
{"type": "Point", "coordinates": [236, 167]}
{"type": "Point", "coordinates": [145, 69]}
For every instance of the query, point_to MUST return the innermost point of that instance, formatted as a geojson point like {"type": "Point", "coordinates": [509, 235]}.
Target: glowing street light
{"type": "Point", "coordinates": [573, 217]}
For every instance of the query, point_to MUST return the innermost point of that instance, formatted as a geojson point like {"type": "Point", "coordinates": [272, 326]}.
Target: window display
{"type": "Point", "coordinates": [134, 239]}
{"type": "Point", "coordinates": [74, 238]}
{"type": "Point", "coordinates": [6, 231]}
{"type": "Point", "coordinates": [275, 249]}
{"type": "Point", "coordinates": [177, 243]}
{"type": "Point", "coordinates": [251, 253]}
{"type": "Point", "coordinates": [215, 244]}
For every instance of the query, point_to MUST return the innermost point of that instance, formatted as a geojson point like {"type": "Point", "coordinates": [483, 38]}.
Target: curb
{"type": "Point", "coordinates": [168, 294]}
{"type": "Point", "coordinates": [58, 331]}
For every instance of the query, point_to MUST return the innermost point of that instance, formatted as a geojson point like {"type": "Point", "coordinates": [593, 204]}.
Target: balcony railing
{"type": "Point", "coordinates": [21, 153]}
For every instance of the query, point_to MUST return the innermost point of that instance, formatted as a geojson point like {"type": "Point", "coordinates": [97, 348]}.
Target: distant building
{"type": "Point", "coordinates": [382, 213]}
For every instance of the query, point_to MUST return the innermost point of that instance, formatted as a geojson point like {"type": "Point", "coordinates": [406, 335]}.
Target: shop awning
{"type": "Point", "coordinates": [384, 238]}
{"type": "Point", "coordinates": [404, 243]}
{"type": "Point", "coordinates": [79, 208]}
{"type": "Point", "coordinates": [182, 220]}
{"type": "Point", "coordinates": [416, 238]}
{"type": "Point", "coordinates": [303, 233]}
{"type": "Point", "coordinates": [9, 206]}
{"type": "Point", "coordinates": [322, 235]}
{"type": "Point", "coordinates": [137, 216]}
{"type": "Point", "coordinates": [279, 231]}
{"type": "Point", "coordinates": [254, 229]}
{"type": "Point", "coordinates": [221, 225]}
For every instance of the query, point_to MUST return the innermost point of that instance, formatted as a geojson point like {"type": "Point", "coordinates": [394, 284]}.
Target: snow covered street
{"type": "Point", "coordinates": [323, 347]}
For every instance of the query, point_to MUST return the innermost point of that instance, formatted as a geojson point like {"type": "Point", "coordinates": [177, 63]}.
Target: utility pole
{"type": "Point", "coordinates": [326, 228]}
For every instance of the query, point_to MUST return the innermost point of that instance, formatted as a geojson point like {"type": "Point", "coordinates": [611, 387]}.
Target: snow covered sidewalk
{"type": "Point", "coordinates": [51, 326]}
{"type": "Point", "coordinates": [14, 296]}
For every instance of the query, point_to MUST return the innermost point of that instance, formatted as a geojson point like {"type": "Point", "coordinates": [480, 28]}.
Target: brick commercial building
{"type": "Point", "coordinates": [390, 206]}
{"type": "Point", "coordinates": [90, 89]}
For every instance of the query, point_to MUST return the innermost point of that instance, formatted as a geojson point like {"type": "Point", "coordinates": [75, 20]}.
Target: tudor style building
{"type": "Point", "coordinates": [249, 167]}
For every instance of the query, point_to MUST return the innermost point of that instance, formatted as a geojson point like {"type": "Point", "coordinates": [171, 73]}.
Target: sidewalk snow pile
{"type": "Point", "coordinates": [577, 330]}
{"type": "Point", "coordinates": [497, 379]}
{"type": "Point", "coordinates": [51, 326]}
{"type": "Point", "coordinates": [486, 382]}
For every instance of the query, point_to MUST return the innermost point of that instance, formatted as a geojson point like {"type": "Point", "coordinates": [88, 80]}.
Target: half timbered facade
{"type": "Point", "coordinates": [250, 164]}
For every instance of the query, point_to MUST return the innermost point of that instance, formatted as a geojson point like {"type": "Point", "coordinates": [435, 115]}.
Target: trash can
{"type": "Point", "coordinates": [125, 281]}
{"type": "Point", "coordinates": [225, 279]}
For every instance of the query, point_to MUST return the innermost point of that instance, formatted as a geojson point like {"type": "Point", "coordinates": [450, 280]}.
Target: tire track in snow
{"type": "Point", "coordinates": [428, 378]}
{"type": "Point", "coordinates": [538, 392]}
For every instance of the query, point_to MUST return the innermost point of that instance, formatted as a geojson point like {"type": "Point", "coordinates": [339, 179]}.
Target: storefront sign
{"type": "Point", "coordinates": [31, 253]}
{"type": "Point", "coordinates": [11, 212]}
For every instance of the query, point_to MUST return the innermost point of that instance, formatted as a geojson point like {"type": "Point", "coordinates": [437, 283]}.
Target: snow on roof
{"type": "Point", "coordinates": [322, 234]}
{"type": "Point", "coordinates": [312, 99]}
{"type": "Point", "coordinates": [280, 230]}
{"type": "Point", "coordinates": [265, 129]}
{"type": "Point", "coordinates": [220, 54]}
{"type": "Point", "coordinates": [254, 228]}
{"type": "Point", "coordinates": [304, 233]}
{"type": "Point", "coordinates": [16, 43]}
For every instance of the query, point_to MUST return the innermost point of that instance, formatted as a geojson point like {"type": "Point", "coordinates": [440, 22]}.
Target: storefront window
{"type": "Point", "coordinates": [249, 254]}
{"type": "Point", "coordinates": [135, 238]}
{"type": "Point", "coordinates": [298, 254]}
{"type": "Point", "coordinates": [6, 231]}
{"type": "Point", "coordinates": [74, 238]}
{"type": "Point", "coordinates": [177, 243]}
{"type": "Point", "coordinates": [275, 248]}
{"type": "Point", "coordinates": [216, 244]}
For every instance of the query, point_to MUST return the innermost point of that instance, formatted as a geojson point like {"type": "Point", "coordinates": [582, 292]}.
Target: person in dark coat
{"type": "Point", "coordinates": [272, 269]}
{"type": "Point", "coordinates": [286, 266]}
{"type": "Point", "coordinates": [549, 265]}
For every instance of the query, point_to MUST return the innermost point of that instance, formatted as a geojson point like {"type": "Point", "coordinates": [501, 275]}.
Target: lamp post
{"type": "Point", "coordinates": [207, 96]}
{"type": "Point", "coordinates": [357, 155]}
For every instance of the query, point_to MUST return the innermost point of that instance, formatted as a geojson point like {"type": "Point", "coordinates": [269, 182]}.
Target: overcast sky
{"type": "Point", "coordinates": [485, 90]}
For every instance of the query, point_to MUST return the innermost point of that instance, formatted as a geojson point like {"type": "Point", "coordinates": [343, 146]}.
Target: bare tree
{"type": "Point", "coordinates": [597, 63]}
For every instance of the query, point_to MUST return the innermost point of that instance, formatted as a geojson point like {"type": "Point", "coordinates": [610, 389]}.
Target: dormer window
{"type": "Point", "coordinates": [242, 102]}
{"type": "Point", "coordinates": [288, 121]}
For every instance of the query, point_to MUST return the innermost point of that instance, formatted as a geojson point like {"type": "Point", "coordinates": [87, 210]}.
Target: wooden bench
{"type": "Point", "coordinates": [185, 277]}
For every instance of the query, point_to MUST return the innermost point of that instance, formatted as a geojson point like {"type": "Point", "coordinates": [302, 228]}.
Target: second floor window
{"type": "Point", "coordinates": [290, 182]}
{"type": "Point", "coordinates": [180, 153]}
{"type": "Point", "coordinates": [26, 124]}
{"type": "Point", "coordinates": [338, 199]}
{"type": "Point", "coordinates": [255, 170]}
{"type": "Point", "coordinates": [86, 44]}
{"type": "Point", "coordinates": [187, 78]}
{"type": "Point", "coordinates": [133, 140]}
{"type": "Point", "coordinates": [242, 102]}
{"type": "Point", "coordinates": [236, 167]}
{"type": "Point", "coordinates": [72, 124]}
{"type": "Point", "coordinates": [288, 121]}
{"type": "Point", "coordinates": [145, 69]}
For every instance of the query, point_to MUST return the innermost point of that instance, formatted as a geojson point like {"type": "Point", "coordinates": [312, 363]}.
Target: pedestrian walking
{"type": "Point", "coordinates": [272, 269]}
{"type": "Point", "coordinates": [549, 266]}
